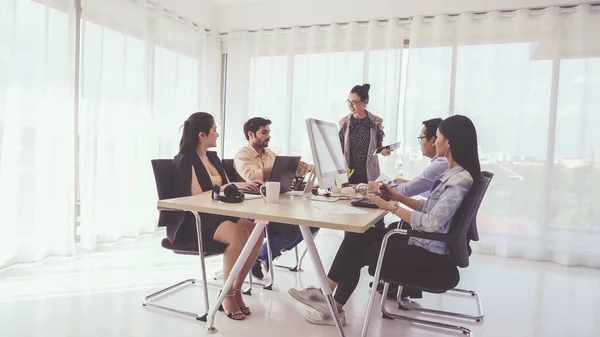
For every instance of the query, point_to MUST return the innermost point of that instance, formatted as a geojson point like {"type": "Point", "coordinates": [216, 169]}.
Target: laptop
{"type": "Point", "coordinates": [284, 172]}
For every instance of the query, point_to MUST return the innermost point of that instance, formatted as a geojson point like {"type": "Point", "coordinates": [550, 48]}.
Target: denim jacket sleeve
{"type": "Point", "coordinates": [432, 214]}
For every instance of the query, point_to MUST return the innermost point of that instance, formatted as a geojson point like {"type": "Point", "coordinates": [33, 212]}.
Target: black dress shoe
{"type": "Point", "coordinates": [257, 270]}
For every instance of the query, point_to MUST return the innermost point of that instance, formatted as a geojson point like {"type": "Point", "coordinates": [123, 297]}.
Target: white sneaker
{"type": "Point", "coordinates": [319, 318]}
{"type": "Point", "coordinates": [311, 296]}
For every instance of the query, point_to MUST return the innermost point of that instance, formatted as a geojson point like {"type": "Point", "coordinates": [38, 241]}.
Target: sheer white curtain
{"type": "Point", "coordinates": [526, 79]}
{"type": "Point", "coordinates": [37, 198]}
{"type": "Point", "coordinates": [140, 79]}
{"type": "Point", "coordinates": [293, 74]}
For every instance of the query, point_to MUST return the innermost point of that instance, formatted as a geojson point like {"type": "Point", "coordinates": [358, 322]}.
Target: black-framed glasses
{"type": "Point", "coordinates": [420, 138]}
{"type": "Point", "coordinates": [352, 102]}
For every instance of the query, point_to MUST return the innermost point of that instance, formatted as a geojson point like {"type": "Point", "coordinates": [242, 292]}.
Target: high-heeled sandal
{"type": "Point", "coordinates": [232, 315]}
{"type": "Point", "coordinates": [245, 309]}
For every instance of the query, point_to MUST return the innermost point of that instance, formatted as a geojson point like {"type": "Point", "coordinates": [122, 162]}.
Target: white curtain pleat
{"type": "Point", "coordinates": [36, 132]}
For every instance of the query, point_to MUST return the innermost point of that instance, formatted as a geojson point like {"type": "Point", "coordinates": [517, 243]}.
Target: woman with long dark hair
{"type": "Point", "coordinates": [197, 170]}
{"type": "Point", "coordinates": [457, 141]}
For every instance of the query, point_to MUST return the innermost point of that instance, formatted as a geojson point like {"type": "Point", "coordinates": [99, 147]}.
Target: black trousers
{"type": "Point", "coordinates": [360, 250]}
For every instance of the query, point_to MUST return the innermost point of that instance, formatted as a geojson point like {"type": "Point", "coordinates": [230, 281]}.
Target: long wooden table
{"type": "Point", "coordinates": [291, 210]}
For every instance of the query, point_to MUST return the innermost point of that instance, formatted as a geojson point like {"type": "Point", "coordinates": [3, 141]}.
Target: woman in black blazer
{"type": "Point", "coordinates": [197, 170]}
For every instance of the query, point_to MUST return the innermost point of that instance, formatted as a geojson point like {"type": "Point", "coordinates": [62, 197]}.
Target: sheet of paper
{"type": "Point", "coordinates": [337, 208]}
{"type": "Point", "coordinates": [295, 193]}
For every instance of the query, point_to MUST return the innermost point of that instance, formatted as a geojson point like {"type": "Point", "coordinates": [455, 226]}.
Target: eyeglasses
{"type": "Point", "coordinates": [421, 139]}
{"type": "Point", "coordinates": [352, 102]}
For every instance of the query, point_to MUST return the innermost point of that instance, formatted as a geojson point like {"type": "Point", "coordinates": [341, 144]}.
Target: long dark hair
{"type": "Point", "coordinates": [196, 123]}
{"type": "Point", "coordinates": [462, 139]}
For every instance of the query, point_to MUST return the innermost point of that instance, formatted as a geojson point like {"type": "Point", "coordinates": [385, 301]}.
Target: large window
{"type": "Point", "coordinates": [36, 132]}
{"type": "Point", "coordinates": [507, 96]}
{"type": "Point", "coordinates": [527, 79]}
{"type": "Point", "coordinates": [576, 164]}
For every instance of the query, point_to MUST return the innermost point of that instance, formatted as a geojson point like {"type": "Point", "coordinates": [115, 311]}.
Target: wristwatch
{"type": "Point", "coordinates": [393, 210]}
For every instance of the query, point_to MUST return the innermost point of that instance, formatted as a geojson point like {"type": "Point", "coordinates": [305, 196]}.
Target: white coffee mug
{"type": "Point", "coordinates": [271, 189]}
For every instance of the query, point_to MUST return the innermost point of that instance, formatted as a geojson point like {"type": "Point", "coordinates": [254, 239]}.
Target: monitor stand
{"type": "Point", "coordinates": [308, 191]}
{"type": "Point", "coordinates": [310, 183]}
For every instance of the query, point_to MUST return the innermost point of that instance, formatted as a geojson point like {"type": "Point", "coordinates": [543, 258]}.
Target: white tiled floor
{"type": "Point", "coordinates": [99, 294]}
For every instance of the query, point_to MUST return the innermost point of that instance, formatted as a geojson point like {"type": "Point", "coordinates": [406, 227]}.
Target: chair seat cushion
{"type": "Point", "coordinates": [191, 248]}
{"type": "Point", "coordinates": [436, 282]}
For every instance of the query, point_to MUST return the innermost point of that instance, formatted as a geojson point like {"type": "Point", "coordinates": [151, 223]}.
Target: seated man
{"type": "Point", "coordinates": [421, 184]}
{"type": "Point", "coordinates": [254, 162]}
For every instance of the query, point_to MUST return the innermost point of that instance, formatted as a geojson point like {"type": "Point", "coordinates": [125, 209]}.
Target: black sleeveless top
{"type": "Point", "coordinates": [184, 230]}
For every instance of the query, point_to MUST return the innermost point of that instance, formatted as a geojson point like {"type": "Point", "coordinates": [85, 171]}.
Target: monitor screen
{"type": "Point", "coordinates": [327, 151]}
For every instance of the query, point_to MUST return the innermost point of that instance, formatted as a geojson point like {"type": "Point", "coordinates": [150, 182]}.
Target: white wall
{"type": "Point", "coordinates": [286, 13]}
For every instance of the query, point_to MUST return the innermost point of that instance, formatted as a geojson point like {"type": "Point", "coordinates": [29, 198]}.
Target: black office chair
{"type": "Point", "coordinates": [164, 177]}
{"type": "Point", "coordinates": [444, 280]}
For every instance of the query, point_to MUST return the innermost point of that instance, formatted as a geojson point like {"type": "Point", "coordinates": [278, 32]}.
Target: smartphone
{"type": "Point", "coordinates": [392, 184]}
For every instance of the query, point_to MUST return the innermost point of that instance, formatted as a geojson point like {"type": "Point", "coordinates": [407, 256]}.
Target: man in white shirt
{"type": "Point", "coordinates": [420, 185]}
{"type": "Point", "coordinates": [254, 162]}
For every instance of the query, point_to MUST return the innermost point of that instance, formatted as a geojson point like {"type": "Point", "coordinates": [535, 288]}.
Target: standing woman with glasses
{"type": "Point", "coordinates": [361, 133]}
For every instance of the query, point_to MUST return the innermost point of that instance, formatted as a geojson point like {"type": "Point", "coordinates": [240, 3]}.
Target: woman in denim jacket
{"type": "Point", "coordinates": [457, 141]}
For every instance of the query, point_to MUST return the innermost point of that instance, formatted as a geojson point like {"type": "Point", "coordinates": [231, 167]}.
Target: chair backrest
{"type": "Point", "coordinates": [165, 181]}
{"type": "Point", "coordinates": [464, 219]}
{"type": "Point", "coordinates": [230, 170]}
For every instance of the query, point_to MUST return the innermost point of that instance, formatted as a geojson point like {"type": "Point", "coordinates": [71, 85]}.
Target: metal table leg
{"type": "Point", "coordinates": [316, 260]}
{"type": "Point", "coordinates": [235, 271]}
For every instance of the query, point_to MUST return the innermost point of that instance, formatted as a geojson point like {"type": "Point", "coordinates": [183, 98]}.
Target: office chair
{"type": "Point", "coordinates": [443, 281]}
{"type": "Point", "coordinates": [164, 177]}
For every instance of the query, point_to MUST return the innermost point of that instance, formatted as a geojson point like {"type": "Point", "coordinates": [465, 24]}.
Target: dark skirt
{"type": "Point", "coordinates": [209, 224]}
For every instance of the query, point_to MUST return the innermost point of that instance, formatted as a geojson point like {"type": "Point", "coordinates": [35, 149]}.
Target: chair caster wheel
{"type": "Point", "coordinates": [202, 318]}
{"type": "Point", "coordinates": [249, 292]}
{"type": "Point", "coordinates": [386, 316]}
{"type": "Point", "coordinates": [268, 288]}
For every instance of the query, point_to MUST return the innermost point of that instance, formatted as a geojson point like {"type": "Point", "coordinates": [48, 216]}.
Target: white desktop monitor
{"type": "Point", "coordinates": [327, 153]}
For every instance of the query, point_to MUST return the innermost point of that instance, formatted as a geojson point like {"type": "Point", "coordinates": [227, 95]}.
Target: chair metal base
{"type": "Point", "coordinates": [477, 318]}
{"type": "Point", "coordinates": [464, 330]}
{"type": "Point", "coordinates": [147, 301]}
{"type": "Point", "coordinates": [298, 266]}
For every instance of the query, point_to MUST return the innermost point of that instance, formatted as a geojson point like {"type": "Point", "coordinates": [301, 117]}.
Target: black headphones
{"type": "Point", "coordinates": [232, 194]}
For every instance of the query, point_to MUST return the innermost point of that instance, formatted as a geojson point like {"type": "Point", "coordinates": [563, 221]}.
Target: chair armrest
{"type": "Point", "coordinates": [442, 237]}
